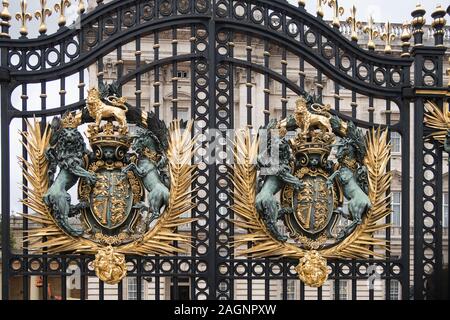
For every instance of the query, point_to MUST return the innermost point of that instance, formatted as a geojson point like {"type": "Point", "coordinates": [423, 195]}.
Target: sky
{"type": "Point", "coordinates": [396, 11]}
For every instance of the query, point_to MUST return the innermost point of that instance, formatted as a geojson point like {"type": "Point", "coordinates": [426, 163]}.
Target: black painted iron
{"type": "Point", "coordinates": [215, 26]}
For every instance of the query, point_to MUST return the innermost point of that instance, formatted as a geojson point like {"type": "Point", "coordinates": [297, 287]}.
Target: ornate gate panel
{"type": "Point", "coordinates": [230, 64]}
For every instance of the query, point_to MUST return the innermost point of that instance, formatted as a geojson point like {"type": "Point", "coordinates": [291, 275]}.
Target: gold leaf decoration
{"type": "Point", "coordinates": [45, 234]}
{"type": "Point", "coordinates": [360, 244]}
{"type": "Point", "coordinates": [437, 120]}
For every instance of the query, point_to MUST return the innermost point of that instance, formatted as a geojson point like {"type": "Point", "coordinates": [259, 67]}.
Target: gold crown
{"type": "Point", "coordinates": [313, 147]}
{"type": "Point", "coordinates": [71, 120]}
{"type": "Point", "coordinates": [108, 135]}
{"type": "Point", "coordinates": [314, 142]}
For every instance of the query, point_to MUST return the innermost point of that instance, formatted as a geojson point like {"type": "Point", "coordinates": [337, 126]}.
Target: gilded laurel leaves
{"type": "Point", "coordinates": [437, 120]}
{"type": "Point", "coordinates": [45, 233]}
{"type": "Point", "coordinates": [360, 244]}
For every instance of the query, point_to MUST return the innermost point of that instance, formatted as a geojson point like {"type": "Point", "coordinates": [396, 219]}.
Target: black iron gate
{"type": "Point", "coordinates": [229, 51]}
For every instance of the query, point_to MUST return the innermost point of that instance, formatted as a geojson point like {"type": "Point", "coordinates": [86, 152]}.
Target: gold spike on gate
{"type": "Point", "coordinates": [23, 16]}
{"type": "Point", "coordinates": [337, 12]}
{"type": "Point", "coordinates": [42, 15]}
{"type": "Point", "coordinates": [320, 8]}
{"type": "Point", "coordinates": [61, 8]}
{"type": "Point", "coordinates": [371, 32]}
{"type": "Point", "coordinates": [387, 37]}
{"type": "Point", "coordinates": [355, 24]}
{"type": "Point", "coordinates": [81, 7]}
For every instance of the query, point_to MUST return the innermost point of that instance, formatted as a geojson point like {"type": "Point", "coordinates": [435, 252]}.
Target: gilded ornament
{"type": "Point", "coordinates": [81, 7]}
{"type": "Point", "coordinates": [312, 188]}
{"type": "Point", "coordinates": [312, 269]}
{"type": "Point", "coordinates": [42, 16]}
{"type": "Point", "coordinates": [320, 8]}
{"type": "Point", "coordinates": [387, 37]}
{"type": "Point", "coordinates": [355, 24]}
{"type": "Point", "coordinates": [114, 218]}
{"type": "Point", "coordinates": [337, 12]}
{"type": "Point", "coordinates": [23, 16]}
{"type": "Point", "coordinates": [110, 266]}
{"type": "Point", "coordinates": [61, 8]}
{"type": "Point", "coordinates": [438, 120]}
{"type": "Point", "coordinates": [371, 32]}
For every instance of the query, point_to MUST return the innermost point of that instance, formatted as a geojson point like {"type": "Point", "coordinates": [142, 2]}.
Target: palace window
{"type": "Point", "coordinates": [394, 292]}
{"type": "Point", "coordinates": [290, 290]}
{"type": "Point", "coordinates": [183, 114]}
{"type": "Point", "coordinates": [182, 74]}
{"type": "Point", "coordinates": [445, 209]}
{"type": "Point", "coordinates": [132, 289]}
{"type": "Point", "coordinates": [223, 288]}
{"type": "Point", "coordinates": [396, 208]}
{"type": "Point", "coordinates": [343, 290]}
{"type": "Point", "coordinates": [396, 142]}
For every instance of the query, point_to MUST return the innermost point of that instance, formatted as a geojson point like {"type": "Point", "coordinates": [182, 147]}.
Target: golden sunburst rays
{"type": "Point", "coordinates": [437, 120]}
{"type": "Point", "coordinates": [45, 234]}
{"type": "Point", "coordinates": [360, 244]}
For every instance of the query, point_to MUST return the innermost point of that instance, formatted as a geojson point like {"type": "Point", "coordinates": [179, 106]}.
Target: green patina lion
{"type": "Point", "coordinates": [67, 150]}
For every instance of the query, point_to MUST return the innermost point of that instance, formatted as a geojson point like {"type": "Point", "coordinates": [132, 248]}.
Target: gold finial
{"type": "Point", "coordinates": [42, 15]}
{"type": "Point", "coordinates": [417, 23]}
{"type": "Point", "coordinates": [438, 25]}
{"type": "Point", "coordinates": [81, 7]}
{"type": "Point", "coordinates": [337, 12]}
{"type": "Point", "coordinates": [354, 23]}
{"type": "Point", "coordinates": [61, 8]}
{"type": "Point", "coordinates": [405, 37]}
{"type": "Point", "coordinates": [372, 33]}
{"type": "Point", "coordinates": [387, 37]}
{"type": "Point", "coordinates": [23, 16]}
{"type": "Point", "coordinates": [406, 34]}
{"type": "Point", "coordinates": [301, 3]}
{"type": "Point", "coordinates": [5, 15]}
{"type": "Point", "coordinates": [418, 15]}
{"type": "Point", "coordinates": [319, 7]}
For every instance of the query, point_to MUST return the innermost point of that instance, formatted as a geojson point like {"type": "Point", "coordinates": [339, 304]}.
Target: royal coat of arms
{"type": "Point", "coordinates": [121, 178]}
{"type": "Point", "coordinates": [318, 190]}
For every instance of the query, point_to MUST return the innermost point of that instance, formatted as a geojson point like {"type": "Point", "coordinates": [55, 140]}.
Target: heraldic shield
{"type": "Point", "coordinates": [112, 198]}
{"type": "Point", "coordinates": [313, 206]}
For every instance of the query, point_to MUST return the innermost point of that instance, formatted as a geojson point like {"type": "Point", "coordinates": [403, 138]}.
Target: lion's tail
{"type": "Point", "coordinates": [118, 102]}
{"type": "Point", "coordinates": [319, 109]}
{"type": "Point", "coordinates": [124, 107]}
